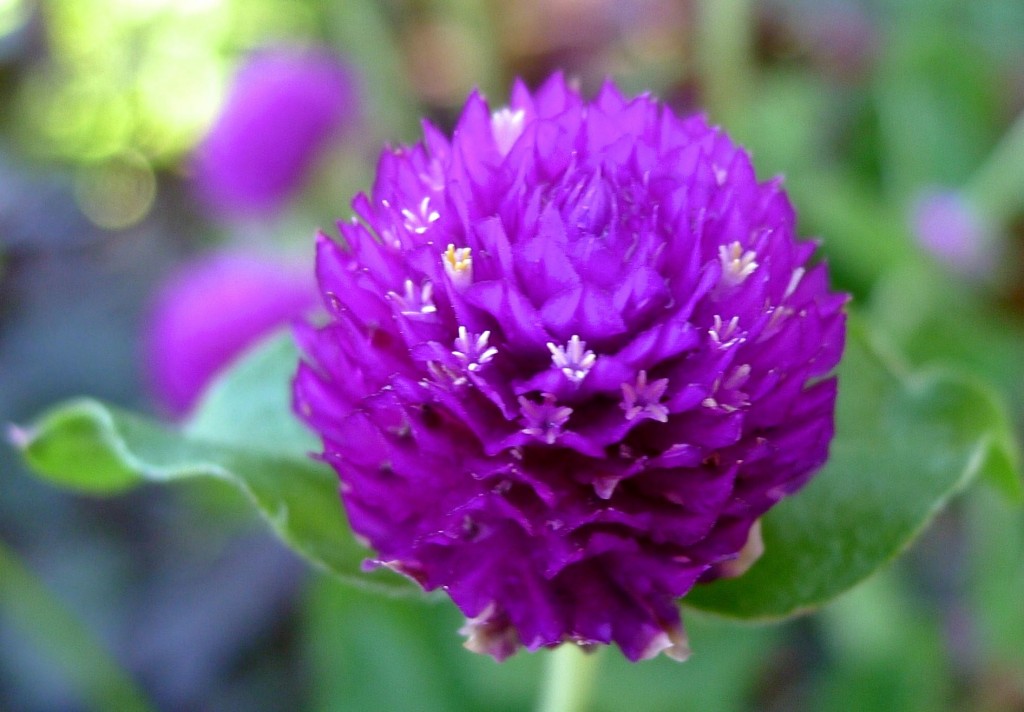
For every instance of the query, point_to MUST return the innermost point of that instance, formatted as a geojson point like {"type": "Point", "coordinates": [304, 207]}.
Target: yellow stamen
{"type": "Point", "coordinates": [458, 264]}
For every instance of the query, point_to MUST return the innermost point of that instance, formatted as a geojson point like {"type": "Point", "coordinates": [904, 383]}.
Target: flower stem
{"type": "Point", "coordinates": [997, 189]}
{"type": "Point", "coordinates": [68, 644]}
{"type": "Point", "coordinates": [568, 679]}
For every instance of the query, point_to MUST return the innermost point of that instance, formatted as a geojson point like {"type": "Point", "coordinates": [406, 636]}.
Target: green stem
{"type": "Point", "coordinates": [27, 603]}
{"type": "Point", "coordinates": [725, 37]}
{"type": "Point", "coordinates": [568, 679]}
{"type": "Point", "coordinates": [997, 188]}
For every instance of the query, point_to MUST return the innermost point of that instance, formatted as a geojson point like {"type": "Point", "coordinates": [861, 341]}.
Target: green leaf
{"type": "Point", "coordinates": [250, 406]}
{"type": "Point", "coordinates": [931, 322]}
{"type": "Point", "coordinates": [243, 434]}
{"type": "Point", "coordinates": [366, 652]}
{"type": "Point", "coordinates": [904, 445]}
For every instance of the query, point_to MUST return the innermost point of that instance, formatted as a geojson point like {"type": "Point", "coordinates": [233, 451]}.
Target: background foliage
{"type": "Point", "coordinates": [177, 598]}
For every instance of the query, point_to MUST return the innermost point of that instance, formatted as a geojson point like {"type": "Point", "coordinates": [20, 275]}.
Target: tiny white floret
{"type": "Point", "coordinates": [507, 127]}
{"type": "Point", "coordinates": [458, 264]}
{"type": "Point", "coordinates": [737, 263]}
{"type": "Point", "coordinates": [642, 399]}
{"type": "Point", "coordinates": [574, 360]}
{"type": "Point", "coordinates": [421, 221]}
{"type": "Point", "coordinates": [473, 350]}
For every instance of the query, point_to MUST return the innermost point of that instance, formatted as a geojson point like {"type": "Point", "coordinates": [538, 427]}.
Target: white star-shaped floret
{"type": "Point", "coordinates": [473, 350]}
{"type": "Point", "coordinates": [642, 399]}
{"type": "Point", "coordinates": [737, 263]}
{"type": "Point", "coordinates": [574, 360]}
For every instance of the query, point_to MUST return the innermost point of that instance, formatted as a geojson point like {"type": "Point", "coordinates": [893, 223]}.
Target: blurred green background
{"type": "Point", "coordinates": [865, 107]}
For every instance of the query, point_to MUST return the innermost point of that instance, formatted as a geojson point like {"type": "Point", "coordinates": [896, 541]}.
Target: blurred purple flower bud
{"type": "Point", "coordinates": [948, 226]}
{"type": "Point", "coordinates": [209, 312]}
{"type": "Point", "coordinates": [283, 108]}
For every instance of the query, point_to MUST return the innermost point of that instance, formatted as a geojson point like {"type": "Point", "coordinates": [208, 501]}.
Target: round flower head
{"type": "Point", "coordinates": [574, 354]}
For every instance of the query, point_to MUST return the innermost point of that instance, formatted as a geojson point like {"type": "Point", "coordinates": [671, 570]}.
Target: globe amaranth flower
{"type": "Point", "coordinates": [209, 311]}
{"type": "Point", "coordinates": [574, 353]}
{"type": "Point", "coordinates": [284, 106]}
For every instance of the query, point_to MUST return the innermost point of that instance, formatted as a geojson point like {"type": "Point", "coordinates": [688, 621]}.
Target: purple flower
{"type": "Point", "coordinates": [284, 106]}
{"type": "Point", "coordinates": [208, 312]}
{"type": "Point", "coordinates": [575, 352]}
{"type": "Point", "coordinates": [950, 228]}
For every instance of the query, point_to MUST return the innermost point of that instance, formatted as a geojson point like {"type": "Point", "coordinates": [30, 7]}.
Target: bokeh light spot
{"type": "Point", "coordinates": [13, 14]}
{"type": "Point", "coordinates": [118, 192]}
